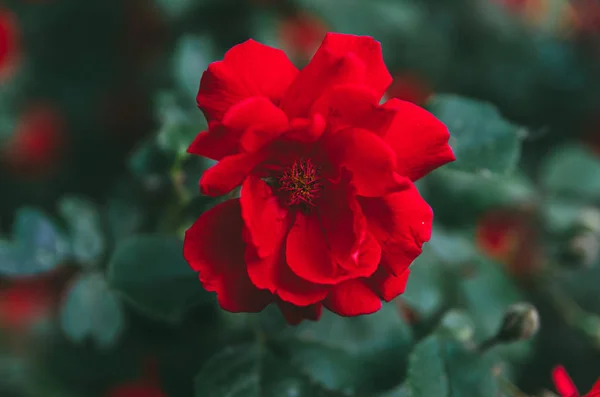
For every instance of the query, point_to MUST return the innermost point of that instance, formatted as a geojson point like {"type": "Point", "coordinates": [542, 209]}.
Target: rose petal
{"type": "Point", "coordinates": [418, 138]}
{"type": "Point", "coordinates": [368, 50]}
{"type": "Point", "coordinates": [215, 143]}
{"type": "Point", "coordinates": [248, 69]}
{"type": "Point", "coordinates": [228, 173]}
{"type": "Point", "coordinates": [342, 224]}
{"type": "Point", "coordinates": [401, 222]}
{"type": "Point", "coordinates": [265, 219]}
{"type": "Point", "coordinates": [325, 70]}
{"type": "Point", "coordinates": [273, 273]}
{"type": "Point", "coordinates": [214, 248]}
{"type": "Point", "coordinates": [352, 298]}
{"type": "Point", "coordinates": [563, 383]}
{"type": "Point", "coordinates": [259, 119]}
{"type": "Point", "coordinates": [308, 254]}
{"type": "Point", "coordinates": [356, 106]}
{"type": "Point", "coordinates": [368, 158]}
{"type": "Point", "coordinates": [386, 285]}
{"type": "Point", "coordinates": [295, 314]}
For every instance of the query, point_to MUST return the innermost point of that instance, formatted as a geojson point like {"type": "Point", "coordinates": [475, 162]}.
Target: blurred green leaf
{"type": "Point", "coordinates": [151, 273]}
{"type": "Point", "coordinates": [482, 140]}
{"type": "Point", "coordinates": [363, 354]}
{"type": "Point", "coordinates": [92, 310]}
{"type": "Point", "coordinates": [192, 56]}
{"type": "Point", "coordinates": [87, 238]}
{"type": "Point", "coordinates": [425, 291]}
{"type": "Point", "coordinates": [255, 371]}
{"type": "Point", "coordinates": [38, 245]}
{"type": "Point", "coordinates": [427, 375]}
{"type": "Point", "coordinates": [454, 247]}
{"type": "Point", "coordinates": [459, 198]}
{"type": "Point", "coordinates": [178, 128]}
{"type": "Point", "coordinates": [125, 211]}
{"type": "Point", "coordinates": [441, 366]}
{"type": "Point", "coordinates": [572, 170]}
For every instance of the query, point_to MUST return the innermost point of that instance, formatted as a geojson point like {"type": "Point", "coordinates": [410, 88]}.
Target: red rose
{"type": "Point", "coordinates": [328, 213]}
{"type": "Point", "coordinates": [565, 386]}
{"type": "Point", "coordinates": [9, 48]}
{"type": "Point", "coordinates": [35, 147]}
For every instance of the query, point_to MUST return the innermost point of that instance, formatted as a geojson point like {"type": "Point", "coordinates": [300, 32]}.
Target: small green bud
{"type": "Point", "coordinates": [521, 322]}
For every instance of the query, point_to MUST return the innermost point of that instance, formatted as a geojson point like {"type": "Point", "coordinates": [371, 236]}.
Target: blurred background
{"type": "Point", "coordinates": [97, 108]}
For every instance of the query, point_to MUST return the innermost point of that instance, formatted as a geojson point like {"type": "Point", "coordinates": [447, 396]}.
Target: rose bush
{"type": "Point", "coordinates": [328, 214]}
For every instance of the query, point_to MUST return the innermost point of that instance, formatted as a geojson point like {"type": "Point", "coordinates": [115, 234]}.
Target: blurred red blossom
{"type": "Point", "coordinates": [301, 34]}
{"type": "Point", "coordinates": [329, 214]}
{"type": "Point", "coordinates": [36, 145]}
{"type": "Point", "coordinates": [24, 302]}
{"type": "Point", "coordinates": [584, 17]}
{"type": "Point", "coordinates": [9, 43]}
{"type": "Point", "coordinates": [532, 11]}
{"type": "Point", "coordinates": [509, 236]}
{"type": "Point", "coordinates": [565, 386]}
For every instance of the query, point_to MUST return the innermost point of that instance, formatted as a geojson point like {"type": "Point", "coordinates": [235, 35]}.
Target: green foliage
{"type": "Point", "coordinates": [38, 245]}
{"type": "Point", "coordinates": [572, 171]}
{"type": "Point", "coordinates": [87, 238]}
{"type": "Point", "coordinates": [483, 141]}
{"type": "Point", "coordinates": [92, 311]}
{"type": "Point", "coordinates": [150, 273]}
{"type": "Point", "coordinates": [94, 245]}
{"type": "Point", "coordinates": [441, 366]}
{"type": "Point", "coordinates": [255, 371]}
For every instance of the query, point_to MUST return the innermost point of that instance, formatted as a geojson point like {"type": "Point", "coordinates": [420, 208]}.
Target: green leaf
{"type": "Point", "coordinates": [452, 247]}
{"type": "Point", "coordinates": [441, 366]}
{"type": "Point", "coordinates": [151, 273]}
{"type": "Point", "coordinates": [125, 211]}
{"type": "Point", "coordinates": [426, 290]}
{"type": "Point", "coordinates": [363, 354]}
{"type": "Point", "coordinates": [427, 374]}
{"type": "Point", "coordinates": [38, 245]}
{"type": "Point", "coordinates": [83, 219]}
{"type": "Point", "coordinates": [459, 198]}
{"type": "Point", "coordinates": [92, 310]}
{"type": "Point", "coordinates": [255, 371]}
{"type": "Point", "coordinates": [482, 140]}
{"type": "Point", "coordinates": [572, 170]}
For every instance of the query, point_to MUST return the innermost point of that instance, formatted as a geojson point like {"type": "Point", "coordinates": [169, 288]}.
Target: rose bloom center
{"type": "Point", "coordinates": [300, 185]}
